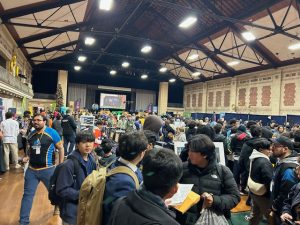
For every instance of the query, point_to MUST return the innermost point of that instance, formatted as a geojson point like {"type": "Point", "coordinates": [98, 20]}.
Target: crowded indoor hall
{"type": "Point", "coordinates": [161, 112]}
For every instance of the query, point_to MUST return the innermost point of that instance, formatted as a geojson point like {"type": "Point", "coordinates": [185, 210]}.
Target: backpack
{"type": "Point", "coordinates": [52, 195]}
{"type": "Point", "coordinates": [92, 192]}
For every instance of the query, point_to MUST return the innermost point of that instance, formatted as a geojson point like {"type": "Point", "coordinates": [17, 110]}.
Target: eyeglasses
{"type": "Point", "coordinates": [37, 120]}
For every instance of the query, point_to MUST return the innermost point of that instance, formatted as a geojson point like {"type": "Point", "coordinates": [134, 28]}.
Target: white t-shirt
{"type": "Point", "coordinates": [10, 130]}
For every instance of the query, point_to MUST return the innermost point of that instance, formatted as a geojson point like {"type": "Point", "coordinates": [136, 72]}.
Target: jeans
{"type": "Point", "coordinates": [261, 207]}
{"type": "Point", "coordinates": [32, 179]}
{"type": "Point", "coordinates": [237, 173]}
{"type": "Point", "coordinates": [69, 139]}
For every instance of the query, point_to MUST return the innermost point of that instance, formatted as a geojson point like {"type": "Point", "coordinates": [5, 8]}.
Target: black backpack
{"type": "Point", "coordinates": [52, 196]}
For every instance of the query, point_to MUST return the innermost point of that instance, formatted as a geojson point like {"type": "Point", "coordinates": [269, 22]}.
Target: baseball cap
{"type": "Point", "coordinates": [284, 141]}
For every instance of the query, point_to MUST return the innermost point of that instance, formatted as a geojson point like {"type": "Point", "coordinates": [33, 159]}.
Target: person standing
{"type": "Point", "coordinates": [42, 143]}
{"type": "Point", "coordinates": [69, 132]}
{"type": "Point", "coordinates": [10, 130]}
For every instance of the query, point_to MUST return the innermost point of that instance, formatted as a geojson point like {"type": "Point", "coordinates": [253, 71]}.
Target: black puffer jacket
{"type": "Point", "coordinates": [292, 201]}
{"type": "Point", "coordinates": [297, 147]}
{"type": "Point", "coordinates": [245, 154]}
{"type": "Point", "coordinates": [237, 142]}
{"type": "Point", "coordinates": [262, 170]}
{"type": "Point", "coordinates": [216, 179]}
{"type": "Point", "coordinates": [140, 208]}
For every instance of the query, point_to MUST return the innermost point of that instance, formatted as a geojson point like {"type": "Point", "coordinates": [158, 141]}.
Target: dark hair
{"type": "Point", "coordinates": [132, 144]}
{"type": "Point", "coordinates": [162, 169]}
{"type": "Point", "coordinates": [8, 115]}
{"type": "Point", "coordinates": [232, 122]}
{"type": "Point", "coordinates": [203, 144]}
{"type": "Point", "coordinates": [218, 128]}
{"type": "Point", "coordinates": [107, 145]}
{"type": "Point", "coordinates": [43, 117]}
{"type": "Point", "coordinates": [84, 136]}
{"type": "Point", "coordinates": [207, 130]}
{"type": "Point", "coordinates": [151, 136]}
{"type": "Point", "coordinates": [233, 130]}
{"type": "Point", "coordinates": [99, 122]}
{"type": "Point", "coordinates": [255, 131]}
{"type": "Point", "coordinates": [153, 123]}
{"type": "Point", "coordinates": [192, 124]}
{"type": "Point", "coordinates": [261, 143]}
{"type": "Point", "coordinates": [266, 133]}
{"type": "Point", "coordinates": [297, 135]}
{"type": "Point", "coordinates": [250, 123]}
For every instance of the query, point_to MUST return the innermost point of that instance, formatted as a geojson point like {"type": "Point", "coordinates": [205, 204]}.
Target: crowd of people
{"type": "Point", "coordinates": [143, 170]}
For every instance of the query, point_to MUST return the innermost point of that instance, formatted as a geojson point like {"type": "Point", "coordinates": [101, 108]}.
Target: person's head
{"type": "Point", "coordinates": [297, 169]}
{"type": "Point", "coordinates": [85, 142]}
{"type": "Point", "coordinates": [218, 128]}
{"type": "Point", "coordinates": [132, 146]}
{"type": "Point", "coordinates": [282, 147]}
{"type": "Point", "coordinates": [297, 136]}
{"type": "Point", "coordinates": [8, 115]}
{"type": "Point", "coordinates": [151, 137]}
{"type": "Point", "coordinates": [107, 145]}
{"type": "Point", "coordinates": [233, 123]}
{"type": "Point", "coordinates": [39, 122]}
{"type": "Point", "coordinates": [280, 129]}
{"type": "Point", "coordinates": [242, 128]}
{"type": "Point", "coordinates": [255, 131]}
{"type": "Point", "coordinates": [162, 170]}
{"type": "Point", "coordinates": [153, 123]}
{"type": "Point", "coordinates": [207, 130]}
{"type": "Point", "coordinates": [266, 133]}
{"type": "Point", "coordinates": [192, 124]}
{"type": "Point", "coordinates": [201, 150]}
{"type": "Point", "coordinates": [295, 127]}
{"type": "Point", "coordinates": [263, 145]}
{"type": "Point", "coordinates": [99, 124]}
{"type": "Point", "coordinates": [250, 123]}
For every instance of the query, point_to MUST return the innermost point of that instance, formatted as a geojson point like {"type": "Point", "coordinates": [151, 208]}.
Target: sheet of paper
{"type": "Point", "coordinates": [180, 196]}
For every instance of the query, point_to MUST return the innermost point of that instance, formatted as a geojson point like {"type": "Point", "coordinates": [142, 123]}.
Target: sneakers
{"type": "Point", "coordinates": [18, 166]}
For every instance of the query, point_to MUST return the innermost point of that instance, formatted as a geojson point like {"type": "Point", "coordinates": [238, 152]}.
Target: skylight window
{"type": "Point", "coordinates": [106, 4]}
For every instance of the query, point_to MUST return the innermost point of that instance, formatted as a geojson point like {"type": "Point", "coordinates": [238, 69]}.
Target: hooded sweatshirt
{"type": "Point", "coordinates": [261, 169]}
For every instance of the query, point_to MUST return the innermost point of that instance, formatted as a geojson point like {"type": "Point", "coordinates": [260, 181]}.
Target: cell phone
{"type": "Point", "coordinates": [289, 222]}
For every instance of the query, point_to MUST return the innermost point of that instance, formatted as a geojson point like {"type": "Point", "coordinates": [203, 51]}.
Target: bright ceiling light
{"type": "Point", "coordinates": [146, 49]}
{"type": "Point", "coordinates": [77, 68]}
{"type": "Point", "coordinates": [144, 76]}
{"type": "Point", "coordinates": [192, 57]}
{"type": "Point", "coordinates": [81, 58]}
{"type": "Point", "coordinates": [294, 46]}
{"type": "Point", "coordinates": [106, 4]}
{"type": "Point", "coordinates": [113, 72]}
{"type": "Point", "coordinates": [163, 69]}
{"type": "Point", "coordinates": [172, 80]}
{"type": "Point", "coordinates": [195, 74]}
{"type": "Point", "coordinates": [189, 21]}
{"type": "Point", "coordinates": [125, 64]}
{"type": "Point", "coordinates": [233, 63]}
{"type": "Point", "coordinates": [248, 36]}
{"type": "Point", "coordinates": [89, 41]}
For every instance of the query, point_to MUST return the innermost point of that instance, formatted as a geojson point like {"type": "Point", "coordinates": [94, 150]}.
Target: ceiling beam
{"type": "Point", "coordinates": [50, 33]}
{"type": "Point", "coordinates": [257, 46]}
{"type": "Point", "coordinates": [33, 8]}
{"type": "Point", "coordinates": [265, 53]}
{"type": "Point", "coordinates": [55, 48]}
{"type": "Point", "coordinates": [203, 48]}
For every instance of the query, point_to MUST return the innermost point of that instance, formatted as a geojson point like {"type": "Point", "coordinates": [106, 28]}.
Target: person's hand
{"type": "Point", "coordinates": [25, 159]}
{"type": "Point", "coordinates": [285, 216]}
{"type": "Point", "coordinates": [297, 222]}
{"type": "Point", "coordinates": [208, 200]}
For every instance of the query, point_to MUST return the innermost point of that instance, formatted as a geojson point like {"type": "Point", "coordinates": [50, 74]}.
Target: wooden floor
{"type": "Point", "coordinates": [11, 192]}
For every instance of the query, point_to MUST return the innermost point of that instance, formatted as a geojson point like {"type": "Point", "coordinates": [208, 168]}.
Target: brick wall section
{"type": "Point", "coordinates": [266, 96]}
{"type": "Point", "coordinates": [200, 99]}
{"type": "Point", "coordinates": [242, 97]}
{"type": "Point", "coordinates": [253, 96]}
{"type": "Point", "coordinates": [188, 101]}
{"type": "Point", "coordinates": [210, 99]}
{"type": "Point", "coordinates": [218, 98]}
{"type": "Point", "coordinates": [289, 94]}
{"type": "Point", "coordinates": [194, 97]}
{"type": "Point", "coordinates": [227, 98]}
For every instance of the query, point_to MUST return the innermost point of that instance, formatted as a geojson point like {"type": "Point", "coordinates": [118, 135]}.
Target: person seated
{"type": "Point", "coordinates": [107, 156]}
{"type": "Point", "coordinates": [162, 170]}
{"type": "Point", "coordinates": [66, 187]}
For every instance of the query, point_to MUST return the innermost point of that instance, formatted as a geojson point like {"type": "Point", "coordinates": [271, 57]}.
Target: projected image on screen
{"type": "Point", "coordinates": [112, 101]}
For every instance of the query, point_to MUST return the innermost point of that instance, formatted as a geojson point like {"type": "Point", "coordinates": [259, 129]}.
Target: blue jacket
{"type": "Point", "coordinates": [118, 185]}
{"type": "Point", "coordinates": [68, 189]}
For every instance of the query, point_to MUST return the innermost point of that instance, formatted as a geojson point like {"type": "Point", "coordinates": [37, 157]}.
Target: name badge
{"type": "Point", "coordinates": [38, 150]}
